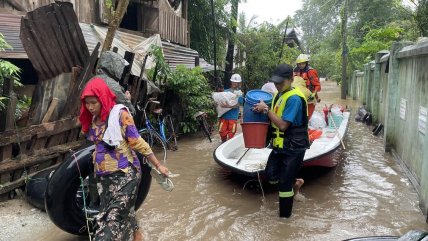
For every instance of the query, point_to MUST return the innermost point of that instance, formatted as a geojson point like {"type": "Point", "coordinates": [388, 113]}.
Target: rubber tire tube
{"type": "Point", "coordinates": [35, 189]}
{"type": "Point", "coordinates": [60, 196]}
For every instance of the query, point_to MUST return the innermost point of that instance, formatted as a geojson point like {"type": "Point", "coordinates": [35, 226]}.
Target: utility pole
{"type": "Point", "coordinates": [215, 45]}
{"type": "Point", "coordinates": [231, 43]}
{"type": "Point", "coordinates": [344, 49]}
{"type": "Point", "coordinates": [283, 39]}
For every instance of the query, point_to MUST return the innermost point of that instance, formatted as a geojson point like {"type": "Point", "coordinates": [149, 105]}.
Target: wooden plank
{"type": "Point", "coordinates": [80, 82]}
{"type": "Point", "coordinates": [73, 94]}
{"type": "Point", "coordinates": [40, 143]}
{"type": "Point", "coordinates": [73, 135]}
{"type": "Point", "coordinates": [58, 139]}
{"type": "Point", "coordinates": [17, 5]}
{"type": "Point", "coordinates": [129, 57]}
{"type": "Point", "coordinates": [5, 152]}
{"type": "Point", "coordinates": [7, 116]}
{"type": "Point", "coordinates": [4, 178]}
{"type": "Point", "coordinates": [65, 61]}
{"type": "Point", "coordinates": [51, 109]}
{"type": "Point", "coordinates": [9, 186]}
{"type": "Point", "coordinates": [63, 35]}
{"type": "Point", "coordinates": [38, 157]}
{"type": "Point", "coordinates": [38, 27]}
{"type": "Point", "coordinates": [42, 130]}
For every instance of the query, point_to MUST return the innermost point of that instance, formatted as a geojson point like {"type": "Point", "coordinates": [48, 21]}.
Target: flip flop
{"type": "Point", "coordinates": [162, 180]}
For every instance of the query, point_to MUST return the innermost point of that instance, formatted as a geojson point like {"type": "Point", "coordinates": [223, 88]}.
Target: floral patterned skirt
{"type": "Point", "coordinates": [118, 192]}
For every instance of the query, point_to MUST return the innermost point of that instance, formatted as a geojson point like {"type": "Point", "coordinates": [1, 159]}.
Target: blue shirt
{"type": "Point", "coordinates": [233, 114]}
{"type": "Point", "coordinates": [293, 112]}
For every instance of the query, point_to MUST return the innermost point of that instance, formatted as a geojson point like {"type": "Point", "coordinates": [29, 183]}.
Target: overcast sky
{"type": "Point", "coordinates": [273, 11]}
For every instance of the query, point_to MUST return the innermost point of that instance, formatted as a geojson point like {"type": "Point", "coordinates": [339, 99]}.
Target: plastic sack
{"type": "Point", "coordinates": [228, 98]}
{"type": "Point", "coordinates": [336, 110]}
{"type": "Point", "coordinates": [317, 121]}
{"type": "Point", "coordinates": [269, 87]}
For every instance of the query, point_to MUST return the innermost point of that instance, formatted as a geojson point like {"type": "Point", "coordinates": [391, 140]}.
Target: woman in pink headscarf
{"type": "Point", "coordinates": [117, 167]}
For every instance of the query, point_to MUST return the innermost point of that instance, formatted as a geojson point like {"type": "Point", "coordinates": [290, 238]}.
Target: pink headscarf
{"type": "Point", "coordinates": [98, 88]}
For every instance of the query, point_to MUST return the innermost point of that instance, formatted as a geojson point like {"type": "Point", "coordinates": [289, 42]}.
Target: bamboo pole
{"type": "Point", "coordinates": [337, 131]}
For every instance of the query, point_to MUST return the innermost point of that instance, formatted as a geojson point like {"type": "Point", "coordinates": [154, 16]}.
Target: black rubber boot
{"type": "Point", "coordinates": [285, 206]}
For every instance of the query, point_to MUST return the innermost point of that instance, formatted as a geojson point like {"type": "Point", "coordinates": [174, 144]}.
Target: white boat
{"type": "Point", "coordinates": [251, 161]}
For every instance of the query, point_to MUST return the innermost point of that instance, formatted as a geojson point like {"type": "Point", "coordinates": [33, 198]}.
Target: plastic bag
{"type": "Point", "coordinates": [228, 98]}
{"type": "Point", "coordinates": [317, 121]}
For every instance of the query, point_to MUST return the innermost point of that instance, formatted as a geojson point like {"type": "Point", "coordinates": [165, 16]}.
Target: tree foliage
{"type": "Point", "coordinates": [7, 71]}
{"type": "Point", "coordinates": [201, 28]}
{"type": "Point", "coordinates": [261, 45]}
{"type": "Point", "coordinates": [190, 85]}
{"type": "Point", "coordinates": [421, 17]}
{"type": "Point", "coordinates": [195, 95]}
{"type": "Point", "coordinates": [372, 26]}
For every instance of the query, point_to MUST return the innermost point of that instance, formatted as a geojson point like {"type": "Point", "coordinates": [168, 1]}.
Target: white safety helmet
{"type": "Point", "coordinates": [236, 78]}
{"type": "Point", "coordinates": [302, 58]}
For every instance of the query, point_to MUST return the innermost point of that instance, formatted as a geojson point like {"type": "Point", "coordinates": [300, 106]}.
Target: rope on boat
{"type": "Point", "coordinates": [260, 183]}
{"type": "Point", "coordinates": [84, 196]}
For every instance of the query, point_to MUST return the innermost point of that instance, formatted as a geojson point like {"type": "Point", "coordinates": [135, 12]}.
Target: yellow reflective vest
{"type": "Point", "coordinates": [295, 137]}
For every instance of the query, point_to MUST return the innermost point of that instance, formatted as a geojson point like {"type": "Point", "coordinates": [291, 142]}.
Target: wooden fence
{"type": "Point", "coordinates": [173, 28]}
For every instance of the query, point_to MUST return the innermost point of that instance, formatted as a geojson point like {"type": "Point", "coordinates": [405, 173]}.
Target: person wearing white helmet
{"type": "Point", "coordinates": [310, 75]}
{"type": "Point", "coordinates": [228, 121]}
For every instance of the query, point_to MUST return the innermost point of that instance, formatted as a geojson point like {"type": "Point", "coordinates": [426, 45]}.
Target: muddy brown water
{"type": "Point", "coordinates": [366, 194]}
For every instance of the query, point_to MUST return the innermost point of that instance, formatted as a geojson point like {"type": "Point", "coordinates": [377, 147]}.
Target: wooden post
{"type": "Point", "coordinates": [344, 49]}
{"type": "Point", "coordinates": [7, 116]}
{"type": "Point", "coordinates": [197, 61]}
{"type": "Point", "coordinates": [51, 109]}
{"type": "Point", "coordinates": [129, 57]}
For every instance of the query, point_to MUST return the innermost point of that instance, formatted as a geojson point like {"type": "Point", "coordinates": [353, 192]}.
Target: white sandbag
{"type": "Point", "coordinates": [317, 120]}
{"type": "Point", "coordinates": [269, 87]}
{"type": "Point", "coordinates": [221, 98]}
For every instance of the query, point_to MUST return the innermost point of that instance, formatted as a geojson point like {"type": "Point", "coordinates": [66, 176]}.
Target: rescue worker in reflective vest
{"type": "Point", "coordinates": [289, 135]}
{"type": "Point", "coordinates": [310, 75]}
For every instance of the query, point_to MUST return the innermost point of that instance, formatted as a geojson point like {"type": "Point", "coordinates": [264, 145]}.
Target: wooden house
{"type": "Point", "coordinates": [57, 60]}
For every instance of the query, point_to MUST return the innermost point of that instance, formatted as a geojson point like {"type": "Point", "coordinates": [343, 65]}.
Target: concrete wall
{"type": "Point", "coordinates": [383, 86]}
{"type": "Point", "coordinates": [355, 88]}
{"type": "Point", "coordinates": [395, 89]}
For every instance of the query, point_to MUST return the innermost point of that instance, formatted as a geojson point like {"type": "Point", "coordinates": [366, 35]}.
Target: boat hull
{"type": "Point", "coordinates": [251, 162]}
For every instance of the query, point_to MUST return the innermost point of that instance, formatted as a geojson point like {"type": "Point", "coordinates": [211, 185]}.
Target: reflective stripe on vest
{"type": "Point", "coordinates": [278, 107]}
{"type": "Point", "coordinates": [286, 194]}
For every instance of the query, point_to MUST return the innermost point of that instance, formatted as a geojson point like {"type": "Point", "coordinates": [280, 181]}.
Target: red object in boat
{"type": "Point", "coordinates": [325, 110]}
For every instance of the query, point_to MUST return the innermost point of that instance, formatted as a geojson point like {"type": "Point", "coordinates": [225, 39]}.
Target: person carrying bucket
{"type": "Point", "coordinates": [289, 135]}
{"type": "Point", "coordinates": [310, 75]}
{"type": "Point", "coordinates": [228, 121]}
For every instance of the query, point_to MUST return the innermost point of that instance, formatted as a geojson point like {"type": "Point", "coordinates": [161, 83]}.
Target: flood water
{"type": "Point", "coordinates": [366, 194]}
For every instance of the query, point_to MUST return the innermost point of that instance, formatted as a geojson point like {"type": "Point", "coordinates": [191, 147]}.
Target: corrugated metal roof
{"type": "Point", "coordinates": [94, 34]}
{"type": "Point", "coordinates": [9, 27]}
{"type": "Point", "coordinates": [174, 54]}
{"type": "Point", "coordinates": [125, 41]}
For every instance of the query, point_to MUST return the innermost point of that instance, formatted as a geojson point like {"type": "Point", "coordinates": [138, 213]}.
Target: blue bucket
{"type": "Point", "coordinates": [251, 98]}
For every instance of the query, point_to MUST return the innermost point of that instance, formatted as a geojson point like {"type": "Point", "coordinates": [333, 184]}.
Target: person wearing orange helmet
{"type": "Point", "coordinates": [310, 75]}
